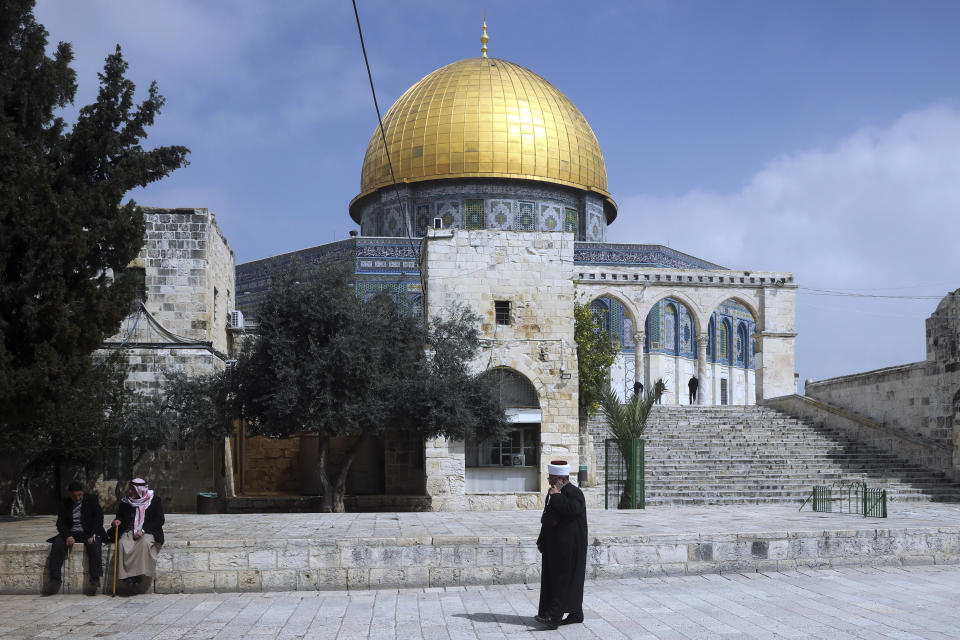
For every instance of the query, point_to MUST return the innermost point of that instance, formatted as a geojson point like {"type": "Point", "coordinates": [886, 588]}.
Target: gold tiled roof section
{"type": "Point", "coordinates": [483, 117]}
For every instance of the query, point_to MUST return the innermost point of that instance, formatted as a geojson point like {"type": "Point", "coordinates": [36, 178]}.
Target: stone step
{"type": "Point", "coordinates": [752, 455]}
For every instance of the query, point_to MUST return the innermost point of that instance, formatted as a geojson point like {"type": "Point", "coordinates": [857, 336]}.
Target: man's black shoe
{"type": "Point", "coordinates": [51, 587]}
{"type": "Point", "coordinates": [572, 619]}
{"type": "Point", "coordinates": [548, 623]}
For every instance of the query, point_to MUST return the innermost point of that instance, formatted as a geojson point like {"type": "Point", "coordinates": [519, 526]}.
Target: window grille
{"type": "Point", "coordinates": [475, 214]}
{"type": "Point", "coordinates": [519, 448]}
{"type": "Point", "coordinates": [501, 309]}
{"type": "Point", "coordinates": [723, 391]}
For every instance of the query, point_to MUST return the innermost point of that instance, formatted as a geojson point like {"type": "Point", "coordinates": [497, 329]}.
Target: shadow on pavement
{"type": "Point", "coordinates": [524, 621]}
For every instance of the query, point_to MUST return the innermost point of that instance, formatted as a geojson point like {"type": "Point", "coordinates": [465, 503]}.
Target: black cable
{"type": "Point", "coordinates": [407, 220]}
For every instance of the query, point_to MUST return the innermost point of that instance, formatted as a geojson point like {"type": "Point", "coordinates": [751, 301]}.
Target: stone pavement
{"type": "Point", "coordinates": [865, 603]}
{"type": "Point", "coordinates": [311, 552]}
{"type": "Point", "coordinates": [655, 521]}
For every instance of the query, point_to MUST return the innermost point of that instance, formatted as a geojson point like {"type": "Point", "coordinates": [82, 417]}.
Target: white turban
{"type": "Point", "coordinates": [558, 468]}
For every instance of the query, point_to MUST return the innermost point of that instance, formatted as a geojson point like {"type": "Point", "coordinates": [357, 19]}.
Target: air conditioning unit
{"type": "Point", "coordinates": [235, 320]}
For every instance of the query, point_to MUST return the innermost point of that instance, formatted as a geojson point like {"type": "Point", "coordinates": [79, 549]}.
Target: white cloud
{"type": "Point", "coordinates": [878, 211]}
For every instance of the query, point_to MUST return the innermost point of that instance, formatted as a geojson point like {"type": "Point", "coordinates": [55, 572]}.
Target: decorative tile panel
{"type": "Point", "coordinates": [449, 212]}
{"type": "Point", "coordinates": [474, 214]}
{"type": "Point", "coordinates": [393, 222]}
{"type": "Point", "coordinates": [526, 217]}
{"type": "Point", "coordinates": [570, 220]}
{"type": "Point", "coordinates": [595, 226]}
{"type": "Point", "coordinates": [647, 255]}
{"type": "Point", "coordinates": [500, 214]}
{"type": "Point", "coordinates": [550, 217]}
{"type": "Point", "coordinates": [424, 219]}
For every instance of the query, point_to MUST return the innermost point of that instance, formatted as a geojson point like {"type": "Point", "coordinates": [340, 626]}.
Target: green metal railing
{"type": "Point", "coordinates": [624, 474]}
{"type": "Point", "coordinates": [849, 497]}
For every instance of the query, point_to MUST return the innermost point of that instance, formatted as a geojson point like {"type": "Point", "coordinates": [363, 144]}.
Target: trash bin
{"type": "Point", "coordinates": [582, 477]}
{"type": "Point", "coordinates": [207, 502]}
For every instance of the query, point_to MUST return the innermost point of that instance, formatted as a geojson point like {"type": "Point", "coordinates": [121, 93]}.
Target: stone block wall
{"type": "Point", "coordinates": [271, 466]}
{"type": "Point", "coordinates": [533, 272]}
{"type": "Point", "coordinates": [908, 398]}
{"type": "Point", "coordinates": [189, 274]}
{"type": "Point", "coordinates": [919, 400]}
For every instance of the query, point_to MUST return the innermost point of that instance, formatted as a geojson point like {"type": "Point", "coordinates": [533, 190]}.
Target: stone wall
{"type": "Point", "coordinates": [533, 272]}
{"type": "Point", "coordinates": [278, 564]}
{"type": "Point", "coordinates": [920, 400]}
{"type": "Point", "coordinates": [906, 398]}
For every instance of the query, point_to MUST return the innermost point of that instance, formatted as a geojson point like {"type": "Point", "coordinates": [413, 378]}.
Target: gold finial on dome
{"type": "Point", "coordinates": [484, 38]}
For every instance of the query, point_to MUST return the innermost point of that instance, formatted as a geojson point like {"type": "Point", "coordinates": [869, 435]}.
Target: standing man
{"type": "Point", "coordinates": [80, 520]}
{"type": "Point", "coordinates": [693, 385]}
{"type": "Point", "coordinates": [563, 543]}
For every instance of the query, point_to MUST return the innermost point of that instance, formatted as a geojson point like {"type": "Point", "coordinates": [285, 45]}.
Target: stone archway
{"type": "Point", "coordinates": [510, 464]}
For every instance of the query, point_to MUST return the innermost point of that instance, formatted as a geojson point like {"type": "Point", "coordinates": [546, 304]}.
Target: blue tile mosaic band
{"type": "Point", "coordinates": [646, 255]}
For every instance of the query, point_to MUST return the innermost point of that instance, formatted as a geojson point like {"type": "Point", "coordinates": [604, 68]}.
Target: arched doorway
{"type": "Point", "coordinates": [512, 463]}
{"type": "Point", "coordinates": [731, 353]}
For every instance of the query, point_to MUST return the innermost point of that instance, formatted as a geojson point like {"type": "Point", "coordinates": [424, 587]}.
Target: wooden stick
{"type": "Point", "coordinates": [116, 556]}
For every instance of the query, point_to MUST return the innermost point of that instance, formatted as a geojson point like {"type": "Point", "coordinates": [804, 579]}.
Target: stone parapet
{"type": "Point", "coordinates": [452, 560]}
{"type": "Point", "coordinates": [928, 453]}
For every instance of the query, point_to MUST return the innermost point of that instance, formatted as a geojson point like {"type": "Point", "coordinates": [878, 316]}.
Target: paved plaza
{"type": "Point", "coordinates": [659, 521]}
{"type": "Point", "coordinates": [871, 603]}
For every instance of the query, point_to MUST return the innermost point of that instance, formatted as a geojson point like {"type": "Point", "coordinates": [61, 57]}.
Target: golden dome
{"type": "Point", "coordinates": [485, 118]}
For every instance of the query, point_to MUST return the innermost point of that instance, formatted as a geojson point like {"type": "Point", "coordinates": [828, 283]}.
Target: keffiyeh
{"type": "Point", "coordinates": [140, 503]}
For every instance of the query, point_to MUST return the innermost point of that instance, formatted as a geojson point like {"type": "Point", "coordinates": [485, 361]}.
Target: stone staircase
{"type": "Point", "coordinates": [748, 455]}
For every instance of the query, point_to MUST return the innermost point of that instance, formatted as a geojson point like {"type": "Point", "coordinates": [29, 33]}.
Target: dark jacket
{"type": "Point", "coordinates": [152, 520]}
{"type": "Point", "coordinates": [563, 542]}
{"type": "Point", "coordinates": [91, 518]}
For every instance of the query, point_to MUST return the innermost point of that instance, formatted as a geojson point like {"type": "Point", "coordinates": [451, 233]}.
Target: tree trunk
{"type": "Point", "coordinates": [21, 494]}
{"type": "Point", "coordinates": [326, 505]}
{"type": "Point", "coordinates": [333, 492]}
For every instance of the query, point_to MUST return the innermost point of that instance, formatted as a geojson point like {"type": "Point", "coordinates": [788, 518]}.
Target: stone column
{"type": "Point", "coordinates": [703, 387]}
{"type": "Point", "coordinates": [638, 340]}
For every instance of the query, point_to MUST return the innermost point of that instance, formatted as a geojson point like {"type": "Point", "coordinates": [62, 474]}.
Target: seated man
{"type": "Point", "coordinates": [140, 523]}
{"type": "Point", "coordinates": [80, 520]}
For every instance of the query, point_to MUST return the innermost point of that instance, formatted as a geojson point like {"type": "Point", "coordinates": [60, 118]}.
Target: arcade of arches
{"type": "Point", "coordinates": [674, 348]}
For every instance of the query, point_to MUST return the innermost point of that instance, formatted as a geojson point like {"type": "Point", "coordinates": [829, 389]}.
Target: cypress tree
{"type": "Point", "coordinates": [66, 236]}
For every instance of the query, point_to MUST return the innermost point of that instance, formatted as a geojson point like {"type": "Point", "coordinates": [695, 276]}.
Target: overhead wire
{"type": "Point", "coordinates": [407, 219]}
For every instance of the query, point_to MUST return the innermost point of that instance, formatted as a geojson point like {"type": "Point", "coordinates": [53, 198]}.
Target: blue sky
{"type": "Point", "coordinates": [821, 138]}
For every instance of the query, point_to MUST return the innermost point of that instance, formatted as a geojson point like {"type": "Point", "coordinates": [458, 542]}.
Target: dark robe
{"type": "Point", "coordinates": [563, 543]}
{"type": "Point", "coordinates": [152, 519]}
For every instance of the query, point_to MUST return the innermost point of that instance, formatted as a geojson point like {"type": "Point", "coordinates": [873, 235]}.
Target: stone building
{"type": "Point", "coordinates": [181, 324]}
{"type": "Point", "coordinates": [494, 194]}
{"type": "Point", "coordinates": [912, 409]}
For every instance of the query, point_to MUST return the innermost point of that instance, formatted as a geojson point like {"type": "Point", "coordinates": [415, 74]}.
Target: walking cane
{"type": "Point", "coordinates": [116, 555]}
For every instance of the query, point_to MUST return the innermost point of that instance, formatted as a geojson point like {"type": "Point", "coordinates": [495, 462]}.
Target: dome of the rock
{"type": "Point", "coordinates": [485, 118]}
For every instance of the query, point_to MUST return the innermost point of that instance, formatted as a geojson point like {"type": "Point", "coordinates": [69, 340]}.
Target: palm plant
{"type": "Point", "coordinates": [626, 421]}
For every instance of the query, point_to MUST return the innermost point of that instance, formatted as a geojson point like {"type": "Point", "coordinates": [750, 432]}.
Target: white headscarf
{"type": "Point", "coordinates": [140, 503]}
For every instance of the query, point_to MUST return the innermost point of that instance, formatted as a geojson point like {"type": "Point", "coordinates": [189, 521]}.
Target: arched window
{"type": "Point", "coordinates": [686, 337]}
{"type": "Point", "coordinates": [741, 347]}
{"type": "Point", "coordinates": [601, 314]}
{"type": "Point", "coordinates": [723, 342]}
{"type": "Point", "coordinates": [516, 392]}
{"type": "Point", "coordinates": [670, 329]}
{"type": "Point", "coordinates": [712, 339]}
{"type": "Point", "coordinates": [653, 329]}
